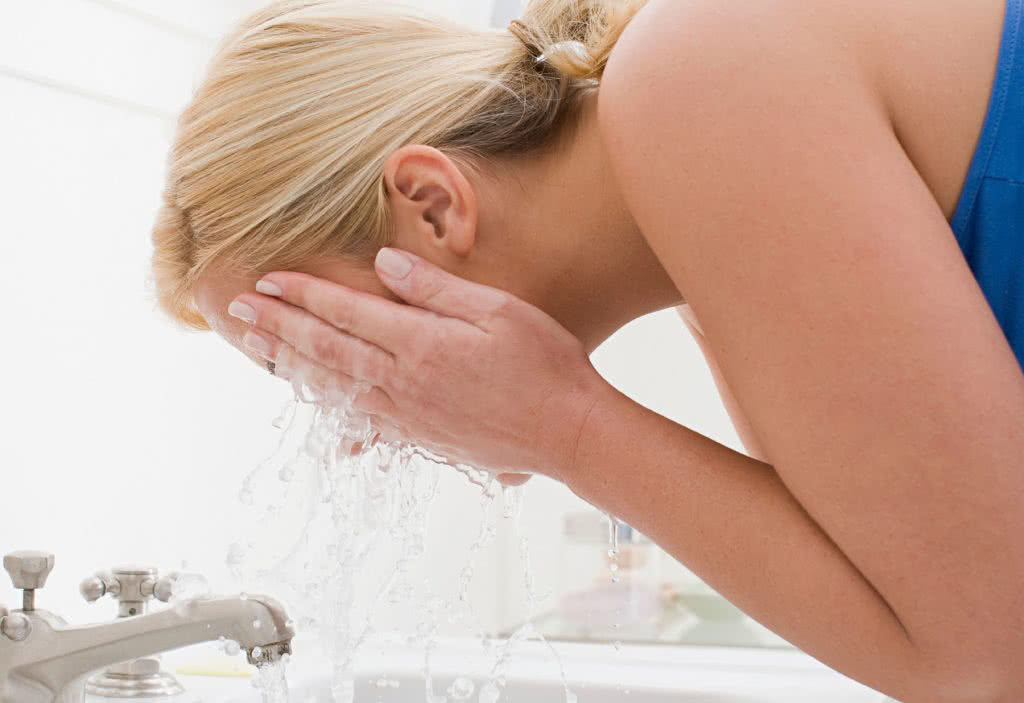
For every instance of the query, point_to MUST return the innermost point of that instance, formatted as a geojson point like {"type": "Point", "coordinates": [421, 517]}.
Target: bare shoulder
{"type": "Point", "coordinates": [908, 61]}
{"type": "Point", "coordinates": [678, 55]}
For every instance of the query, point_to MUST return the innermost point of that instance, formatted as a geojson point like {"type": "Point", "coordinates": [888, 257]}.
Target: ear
{"type": "Point", "coordinates": [434, 205]}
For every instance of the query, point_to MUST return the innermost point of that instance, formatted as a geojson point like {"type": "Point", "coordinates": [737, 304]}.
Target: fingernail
{"type": "Point", "coordinates": [242, 312]}
{"type": "Point", "coordinates": [257, 344]}
{"type": "Point", "coordinates": [393, 264]}
{"type": "Point", "coordinates": [268, 288]}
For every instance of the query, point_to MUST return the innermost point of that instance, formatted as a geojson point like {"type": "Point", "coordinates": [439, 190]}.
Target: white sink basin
{"type": "Point", "coordinates": [596, 674]}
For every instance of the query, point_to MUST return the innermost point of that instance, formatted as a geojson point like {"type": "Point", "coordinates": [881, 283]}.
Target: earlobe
{"type": "Point", "coordinates": [433, 203]}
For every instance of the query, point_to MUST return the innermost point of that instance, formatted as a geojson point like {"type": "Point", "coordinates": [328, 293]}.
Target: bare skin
{"type": "Point", "coordinates": [794, 184]}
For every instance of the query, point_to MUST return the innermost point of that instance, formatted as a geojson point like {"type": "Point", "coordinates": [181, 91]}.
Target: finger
{"type": "Point", "coordinates": [513, 480]}
{"type": "Point", "coordinates": [358, 448]}
{"type": "Point", "coordinates": [326, 385]}
{"type": "Point", "coordinates": [426, 286]}
{"type": "Point", "coordinates": [377, 404]}
{"type": "Point", "coordinates": [318, 340]}
{"type": "Point", "coordinates": [290, 365]}
{"type": "Point", "coordinates": [369, 317]}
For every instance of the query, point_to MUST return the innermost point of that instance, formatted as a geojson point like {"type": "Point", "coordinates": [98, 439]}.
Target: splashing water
{"type": "Point", "coordinates": [461, 689]}
{"type": "Point", "coordinates": [355, 496]}
{"type": "Point", "coordinates": [272, 682]}
{"type": "Point", "coordinates": [613, 547]}
{"type": "Point", "coordinates": [186, 587]}
{"type": "Point", "coordinates": [491, 692]}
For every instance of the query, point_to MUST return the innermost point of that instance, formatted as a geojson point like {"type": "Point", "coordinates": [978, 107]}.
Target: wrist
{"type": "Point", "coordinates": [592, 406]}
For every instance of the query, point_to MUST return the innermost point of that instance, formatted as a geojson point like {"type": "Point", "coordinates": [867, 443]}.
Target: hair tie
{"type": "Point", "coordinates": [576, 48]}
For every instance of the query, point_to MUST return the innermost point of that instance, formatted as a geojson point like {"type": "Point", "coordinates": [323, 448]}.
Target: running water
{"type": "Point", "coordinates": [491, 691]}
{"type": "Point", "coordinates": [337, 497]}
{"type": "Point", "coordinates": [613, 547]}
{"type": "Point", "coordinates": [272, 682]}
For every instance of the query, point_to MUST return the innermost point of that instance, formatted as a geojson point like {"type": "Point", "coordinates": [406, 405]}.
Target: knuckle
{"type": "Point", "coordinates": [299, 293]}
{"type": "Point", "coordinates": [428, 287]}
{"type": "Point", "coordinates": [509, 306]}
{"type": "Point", "coordinates": [347, 314]}
{"type": "Point", "coordinates": [421, 357]}
{"type": "Point", "coordinates": [379, 368]}
{"type": "Point", "coordinates": [324, 348]}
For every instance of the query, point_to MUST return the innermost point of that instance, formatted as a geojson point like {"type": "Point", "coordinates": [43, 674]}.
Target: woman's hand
{"type": "Point", "coordinates": [470, 372]}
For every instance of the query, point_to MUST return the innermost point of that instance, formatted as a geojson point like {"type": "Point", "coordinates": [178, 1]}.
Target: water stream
{"type": "Point", "coordinates": [329, 504]}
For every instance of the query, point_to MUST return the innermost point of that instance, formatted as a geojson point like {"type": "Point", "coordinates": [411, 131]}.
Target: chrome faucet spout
{"type": "Point", "coordinates": [41, 668]}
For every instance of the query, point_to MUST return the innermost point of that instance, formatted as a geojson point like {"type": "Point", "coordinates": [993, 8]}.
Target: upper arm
{"type": "Point", "coordinates": [766, 177]}
{"type": "Point", "coordinates": [739, 419]}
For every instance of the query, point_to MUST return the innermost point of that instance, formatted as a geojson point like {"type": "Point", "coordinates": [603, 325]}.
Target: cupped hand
{"type": "Point", "coordinates": [467, 371]}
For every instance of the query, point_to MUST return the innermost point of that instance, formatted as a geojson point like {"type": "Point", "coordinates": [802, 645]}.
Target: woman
{"type": "Point", "coordinates": [788, 170]}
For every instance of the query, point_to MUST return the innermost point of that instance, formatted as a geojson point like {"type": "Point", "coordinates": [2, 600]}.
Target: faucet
{"type": "Point", "coordinates": [44, 660]}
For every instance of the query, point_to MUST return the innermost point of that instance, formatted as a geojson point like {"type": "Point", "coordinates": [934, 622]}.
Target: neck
{"type": "Point", "coordinates": [562, 220]}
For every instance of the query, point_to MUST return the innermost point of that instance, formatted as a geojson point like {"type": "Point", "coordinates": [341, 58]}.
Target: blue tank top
{"type": "Point", "coordinates": [989, 218]}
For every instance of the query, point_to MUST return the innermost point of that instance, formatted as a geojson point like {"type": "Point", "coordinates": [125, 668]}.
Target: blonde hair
{"type": "Point", "coordinates": [278, 160]}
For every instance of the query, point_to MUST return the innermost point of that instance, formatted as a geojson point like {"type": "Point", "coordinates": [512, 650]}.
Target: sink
{"type": "Point", "coordinates": [597, 673]}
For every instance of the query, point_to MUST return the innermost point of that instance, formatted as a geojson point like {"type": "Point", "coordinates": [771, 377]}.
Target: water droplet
{"type": "Point", "coordinates": [287, 413]}
{"type": "Point", "coordinates": [307, 624]}
{"type": "Point", "coordinates": [257, 624]}
{"type": "Point", "coordinates": [236, 555]}
{"type": "Point", "coordinates": [231, 648]}
{"type": "Point", "coordinates": [257, 652]}
{"type": "Point", "coordinates": [188, 587]}
{"type": "Point", "coordinates": [489, 693]}
{"type": "Point", "coordinates": [512, 502]}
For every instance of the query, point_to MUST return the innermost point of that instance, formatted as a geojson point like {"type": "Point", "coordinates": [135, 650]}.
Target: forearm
{"type": "Point", "coordinates": [732, 521]}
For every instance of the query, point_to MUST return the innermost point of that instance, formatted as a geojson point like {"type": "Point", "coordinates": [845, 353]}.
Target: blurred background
{"type": "Point", "coordinates": [125, 440]}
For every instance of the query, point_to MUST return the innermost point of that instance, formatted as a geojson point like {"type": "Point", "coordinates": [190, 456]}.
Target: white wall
{"type": "Point", "coordinates": [124, 439]}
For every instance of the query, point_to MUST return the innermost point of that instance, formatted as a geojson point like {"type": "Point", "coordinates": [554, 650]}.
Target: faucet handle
{"type": "Point", "coordinates": [130, 586]}
{"type": "Point", "coordinates": [29, 570]}
{"type": "Point", "coordinates": [163, 589]}
{"type": "Point", "coordinates": [133, 587]}
{"type": "Point", "coordinates": [101, 584]}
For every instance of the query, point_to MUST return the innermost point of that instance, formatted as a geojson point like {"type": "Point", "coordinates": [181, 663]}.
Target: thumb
{"type": "Point", "coordinates": [420, 283]}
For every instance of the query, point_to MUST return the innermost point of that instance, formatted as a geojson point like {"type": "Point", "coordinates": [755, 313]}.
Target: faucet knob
{"type": "Point", "coordinates": [133, 587]}
{"type": "Point", "coordinates": [29, 570]}
{"type": "Point", "coordinates": [163, 590]}
{"type": "Point", "coordinates": [95, 587]}
{"type": "Point", "coordinates": [16, 627]}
